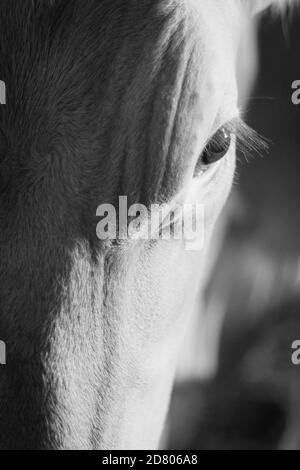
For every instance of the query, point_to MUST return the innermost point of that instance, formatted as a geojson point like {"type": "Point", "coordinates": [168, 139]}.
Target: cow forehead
{"type": "Point", "coordinates": [105, 91]}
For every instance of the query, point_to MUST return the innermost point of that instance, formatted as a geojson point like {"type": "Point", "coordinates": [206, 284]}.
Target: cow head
{"type": "Point", "coordinates": [104, 99]}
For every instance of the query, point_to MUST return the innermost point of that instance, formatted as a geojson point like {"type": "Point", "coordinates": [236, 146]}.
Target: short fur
{"type": "Point", "coordinates": [104, 98]}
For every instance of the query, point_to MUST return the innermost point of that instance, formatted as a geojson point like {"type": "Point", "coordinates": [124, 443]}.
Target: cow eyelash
{"type": "Point", "coordinates": [248, 142]}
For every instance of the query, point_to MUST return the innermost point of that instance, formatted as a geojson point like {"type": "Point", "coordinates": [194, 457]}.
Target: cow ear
{"type": "Point", "coordinates": [260, 5]}
{"type": "Point", "coordinates": [257, 6]}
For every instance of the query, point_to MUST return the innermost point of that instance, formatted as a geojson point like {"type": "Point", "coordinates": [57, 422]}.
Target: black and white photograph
{"type": "Point", "coordinates": [149, 228]}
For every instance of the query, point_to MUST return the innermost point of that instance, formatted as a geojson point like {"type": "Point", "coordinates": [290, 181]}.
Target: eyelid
{"type": "Point", "coordinates": [247, 139]}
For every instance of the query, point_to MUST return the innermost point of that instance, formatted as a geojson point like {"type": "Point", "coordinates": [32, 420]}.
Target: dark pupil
{"type": "Point", "coordinates": [217, 148]}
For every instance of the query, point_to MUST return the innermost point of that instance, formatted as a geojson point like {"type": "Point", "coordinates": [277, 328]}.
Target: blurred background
{"type": "Point", "coordinates": [248, 397]}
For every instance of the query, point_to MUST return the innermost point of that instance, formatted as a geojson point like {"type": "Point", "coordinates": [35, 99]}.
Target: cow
{"type": "Point", "coordinates": [106, 98]}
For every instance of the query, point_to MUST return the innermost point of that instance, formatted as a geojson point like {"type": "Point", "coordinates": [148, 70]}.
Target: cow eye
{"type": "Point", "coordinates": [215, 150]}
{"type": "Point", "coordinates": [217, 147]}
